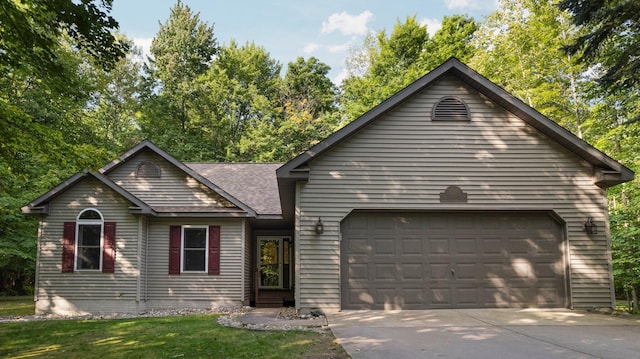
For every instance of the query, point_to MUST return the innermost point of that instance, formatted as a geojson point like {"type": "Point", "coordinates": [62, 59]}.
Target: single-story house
{"type": "Point", "coordinates": [450, 194]}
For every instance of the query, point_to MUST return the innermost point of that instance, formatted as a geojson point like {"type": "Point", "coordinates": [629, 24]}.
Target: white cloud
{"type": "Point", "coordinates": [311, 48]}
{"type": "Point", "coordinates": [462, 4]}
{"type": "Point", "coordinates": [433, 25]}
{"type": "Point", "coordinates": [340, 77]}
{"type": "Point", "coordinates": [347, 24]}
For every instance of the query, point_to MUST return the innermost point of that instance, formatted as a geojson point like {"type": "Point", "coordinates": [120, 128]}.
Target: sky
{"type": "Point", "coordinates": [288, 29]}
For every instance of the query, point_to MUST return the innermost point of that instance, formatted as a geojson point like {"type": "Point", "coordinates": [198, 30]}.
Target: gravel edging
{"type": "Point", "coordinates": [287, 319]}
{"type": "Point", "coordinates": [154, 313]}
{"type": "Point", "coordinates": [230, 318]}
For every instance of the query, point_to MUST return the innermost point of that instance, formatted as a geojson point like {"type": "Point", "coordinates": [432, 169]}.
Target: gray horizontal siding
{"type": "Point", "coordinates": [60, 292]}
{"type": "Point", "coordinates": [173, 189]}
{"type": "Point", "coordinates": [404, 161]}
{"type": "Point", "coordinates": [188, 287]}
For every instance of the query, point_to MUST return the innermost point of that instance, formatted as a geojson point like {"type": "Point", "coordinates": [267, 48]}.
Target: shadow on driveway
{"type": "Point", "coordinates": [485, 333]}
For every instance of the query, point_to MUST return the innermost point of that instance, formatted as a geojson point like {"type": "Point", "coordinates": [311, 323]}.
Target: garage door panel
{"type": "Point", "coordinates": [465, 246]}
{"type": "Point", "coordinates": [548, 296]}
{"type": "Point", "coordinates": [467, 297]}
{"type": "Point", "coordinates": [466, 271]}
{"type": "Point", "coordinates": [411, 246]}
{"type": "Point", "coordinates": [358, 271]}
{"type": "Point", "coordinates": [438, 246]}
{"type": "Point", "coordinates": [547, 270]}
{"type": "Point", "coordinates": [359, 246]}
{"type": "Point", "coordinates": [384, 271]}
{"type": "Point", "coordinates": [452, 260]}
{"type": "Point", "coordinates": [440, 271]}
{"type": "Point", "coordinates": [414, 298]}
{"type": "Point", "coordinates": [440, 297]}
{"type": "Point", "coordinates": [411, 271]}
{"type": "Point", "coordinates": [491, 246]}
{"type": "Point", "coordinates": [384, 247]}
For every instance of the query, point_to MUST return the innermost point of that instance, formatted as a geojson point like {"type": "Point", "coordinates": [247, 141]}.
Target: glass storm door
{"type": "Point", "coordinates": [273, 262]}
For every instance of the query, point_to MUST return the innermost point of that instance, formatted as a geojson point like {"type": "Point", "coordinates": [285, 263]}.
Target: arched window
{"type": "Point", "coordinates": [148, 169]}
{"type": "Point", "coordinates": [450, 109]}
{"type": "Point", "coordinates": [89, 230]}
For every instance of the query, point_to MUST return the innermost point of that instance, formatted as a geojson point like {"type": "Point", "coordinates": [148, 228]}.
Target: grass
{"type": "Point", "coordinates": [193, 336]}
{"type": "Point", "coordinates": [623, 306]}
{"type": "Point", "coordinates": [17, 306]}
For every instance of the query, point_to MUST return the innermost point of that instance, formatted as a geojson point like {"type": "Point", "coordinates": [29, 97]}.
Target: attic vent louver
{"type": "Point", "coordinates": [148, 169]}
{"type": "Point", "coordinates": [450, 109]}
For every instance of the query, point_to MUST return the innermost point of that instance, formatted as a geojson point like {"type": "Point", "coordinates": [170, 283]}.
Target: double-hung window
{"type": "Point", "coordinates": [194, 248]}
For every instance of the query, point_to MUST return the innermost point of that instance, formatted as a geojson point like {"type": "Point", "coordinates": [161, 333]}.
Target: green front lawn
{"type": "Point", "coordinates": [12, 306]}
{"type": "Point", "coordinates": [193, 336]}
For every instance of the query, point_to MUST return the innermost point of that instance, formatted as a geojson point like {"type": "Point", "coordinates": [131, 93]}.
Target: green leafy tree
{"type": "Point", "coordinates": [31, 29]}
{"type": "Point", "coordinates": [246, 83]}
{"type": "Point", "coordinates": [520, 47]}
{"type": "Point", "coordinates": [611, 39]}
{"type": "Point", "coordinates": [308, 103]}
{"type": "Point", "coordinates": [111, 113]}
{"type": "Point", "coordinates": [182, 51]}
{"type": "Point", "coordinates": [386, 63]}
{"type": "Point", "coordinates": [43, 92]}
{"type": "Point", "coordinates": [453, 39]}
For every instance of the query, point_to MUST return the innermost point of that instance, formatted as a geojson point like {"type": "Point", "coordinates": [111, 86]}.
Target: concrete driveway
{"type": "Point", "coordinates": [485, 333]}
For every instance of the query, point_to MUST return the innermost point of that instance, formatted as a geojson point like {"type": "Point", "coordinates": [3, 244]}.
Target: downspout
{"type": "Point", "coordinates": [607, 231]}
{"type": "Point", "coordinates": [146, 260]}
{"type": "Point", "coordinates": [244, 263]}
{"type": "Point", "coordinates": [139, 259]}
{"type": "Point", "coordinates": [296, 247]}
{"type": "Point", "coordinates": [37, 274]}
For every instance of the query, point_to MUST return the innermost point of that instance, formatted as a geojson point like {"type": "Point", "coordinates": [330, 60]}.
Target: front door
{"type": "Point", "coordinates": [274, 262]}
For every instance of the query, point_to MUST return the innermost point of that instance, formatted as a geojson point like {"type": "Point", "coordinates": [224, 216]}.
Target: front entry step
{"type": "Point", "coordinates": [273, 298]}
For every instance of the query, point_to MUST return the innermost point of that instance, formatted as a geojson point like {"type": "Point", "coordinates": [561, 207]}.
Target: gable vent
{"type": "Point", "coordinates": [148, 169]}
{"type": "Point", "coordinates": [450, 109]}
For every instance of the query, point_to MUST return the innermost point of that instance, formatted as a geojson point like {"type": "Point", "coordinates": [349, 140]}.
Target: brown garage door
{"type": "Point", "coordinates": [452, 260]}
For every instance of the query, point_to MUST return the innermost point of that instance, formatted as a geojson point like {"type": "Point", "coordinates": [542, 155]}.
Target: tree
{"type": "Point", "coordinates": [388, 66]}
{"type": "Point", "coordinates": [111, 112]}
{"type": "Point", "coordinates": [308, 103]}
{"type": "Point", "coordinates": [520, 48]}
{"type": "Point", "coordinates": [384, 65]}
{"type": "Point", "coordinates": [30, 29]}
{"type": "Point", "coordinates": [43, 93]}
{"type": "Point", "coordinates": [611, 39]}
{"type": "Point", "coordinates": [453, 39]}
{"type": "Point", "coordinates": [246, 83]}
{"type": "Point", "coordinates": [182, 51]}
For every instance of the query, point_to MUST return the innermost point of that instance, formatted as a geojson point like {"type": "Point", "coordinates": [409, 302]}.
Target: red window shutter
{"type": "Point", "coordinates": [175, 237]}
{"type": "Point", "coordinates": [68, 247]}
{"type": "Point", "coordinates": [214, 250]}
{"type": "Point", "coordinates": [109, 248]}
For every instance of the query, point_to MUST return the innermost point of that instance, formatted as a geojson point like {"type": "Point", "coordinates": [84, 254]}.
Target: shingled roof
{"type": "Point", "coordinates": [254, 184]}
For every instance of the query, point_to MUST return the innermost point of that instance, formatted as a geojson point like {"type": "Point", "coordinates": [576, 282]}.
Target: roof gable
{"type": "Point", "coordinates": [610, 172]}
{"type": "Point", "coordinates": [39, 205]}
{"type": "Point", "coordinates": [147, 145]}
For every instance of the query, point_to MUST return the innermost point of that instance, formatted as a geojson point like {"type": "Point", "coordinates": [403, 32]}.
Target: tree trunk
{"type": "Point", "coordinates": [634, 297]}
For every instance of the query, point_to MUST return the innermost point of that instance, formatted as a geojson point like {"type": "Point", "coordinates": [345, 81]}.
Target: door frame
{"type": "Point", "coordinates": [284, 258]}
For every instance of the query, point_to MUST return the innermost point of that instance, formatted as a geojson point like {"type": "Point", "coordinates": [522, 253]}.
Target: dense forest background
{"type": "Point", "coordinates": [74, 94]}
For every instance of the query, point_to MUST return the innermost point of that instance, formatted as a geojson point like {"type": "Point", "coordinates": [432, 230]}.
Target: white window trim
{"type": "Point", "coordinates": [206, 249]}
{"type": "Point", "coordinates": [80, 222]}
